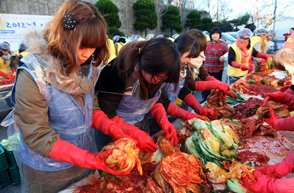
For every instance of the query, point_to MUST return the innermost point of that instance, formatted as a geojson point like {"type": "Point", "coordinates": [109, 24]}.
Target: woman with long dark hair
{"type": "Point", "coordinates": [130, 86]}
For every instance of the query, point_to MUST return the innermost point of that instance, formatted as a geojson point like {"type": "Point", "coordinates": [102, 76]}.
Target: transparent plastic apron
{"type": "Point", "coordinates": [170, 88]}
{"type": "Point", "coordinates": [132, 108]}
{"type": "Point", "coordinates": [71, 122]}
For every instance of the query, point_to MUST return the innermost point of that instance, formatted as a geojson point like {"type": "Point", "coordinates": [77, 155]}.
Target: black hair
{"type": "Point", "coordinates": [187, 42]}
{"type": "Point", "coordinates": [215, 30]}
{"type": "Point", "coordinates": [117, 33]}
{"type": "Point", "coordinates": [155, 56]}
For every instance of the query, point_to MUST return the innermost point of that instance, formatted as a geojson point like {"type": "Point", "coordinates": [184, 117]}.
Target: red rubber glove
{"type": "Point", "coordinates": [289, 90]}
{"type": "Point", "coordinates": [175, 111]}
{"type": "Point", "coordinates": [101, 122]}
{"type": "Point", "coordinates": [264, 56]}
{"type": "Point", "coordinates": [211, 78]}
{"type": "Point", "coordinates": [241, 66]}
{"type": "Point", "coordinates": [263, 183]}
{"type": "Point", "coordinates": [285, 88]}
{"type": "Point", "coordinates": [208, 113]}
{"type": "Point", "coordinates": [64, 151]}
{"type": "Point", "coordinates": [209, 85]}
{"type": "Point", "coordinates": [250, 68]}
{"type": "Point", "coordinates": [6, 75]}
{"type": "Point", "coordinates": [13, 70]}
{"type": "Point", "coordinates": [279, 170]}
{"type": "Point", "coordinates": [284, 124]}
{"type": "Point", "coordinates": [262, 61]}
{"type": "Point", "coordinates": [250, 65]}
{"type": "Point", "coordinates": [159, 114]}
{"type": "Point", "coordinates": [282, 97]}
{"type": "Point", "coordinates": [117, 133]}
{"type": "Point", "coordinates": [144, 141]}
{"type": "Point", "coordinates": [273, 120]}
{"type": "Point", "coordinates": [192, 102]}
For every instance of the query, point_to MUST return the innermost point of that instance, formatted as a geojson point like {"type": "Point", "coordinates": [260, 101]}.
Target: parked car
{"type": "Point", "coordinates": [5, 101]}
{"type": "Point", "coordinates": [233, 33]}
{"type": "Point", "coordinates": [228, 38]}
{"type": "Point", "coordinates": [278, 44]}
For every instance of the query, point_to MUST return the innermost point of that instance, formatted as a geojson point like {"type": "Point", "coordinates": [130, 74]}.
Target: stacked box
{"type": "Point", "coordinates": [13, 168]}
{"type": "Point", "coordinates": [4, 175]}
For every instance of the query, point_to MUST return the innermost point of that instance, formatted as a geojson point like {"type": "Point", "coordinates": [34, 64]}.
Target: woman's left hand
{"type": "Point", "coordinates": [273, 120]}
{"type": "Point", "coordinates": [208, 113]}
{"type": "Point", "coordinates": [263, 183]}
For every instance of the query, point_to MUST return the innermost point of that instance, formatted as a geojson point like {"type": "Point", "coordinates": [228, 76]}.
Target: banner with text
{"type": "Point", "coordinates": [12, 26]}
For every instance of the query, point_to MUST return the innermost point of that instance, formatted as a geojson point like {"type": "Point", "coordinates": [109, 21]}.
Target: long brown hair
{"type": "Point", "coordinates": [90, 32]}
{"type": "Point", "coordinates": [200, 38]}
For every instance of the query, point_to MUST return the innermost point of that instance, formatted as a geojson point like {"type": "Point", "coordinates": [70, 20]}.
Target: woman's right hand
{"type": "Point", "coordinates": [64, 151]}
{"type": "Point", "coordinates": [170, 133]}
{"type": "Point", "coordinates": [276, 96]}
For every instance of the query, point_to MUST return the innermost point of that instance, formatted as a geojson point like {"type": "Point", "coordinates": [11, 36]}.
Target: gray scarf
{"type": "Point", "coordinates": [6, 57]}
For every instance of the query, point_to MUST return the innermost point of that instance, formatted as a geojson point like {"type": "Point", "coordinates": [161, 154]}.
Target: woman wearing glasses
{"type": "Point", "coordinates": [188, 48]}
{"type": "Point", "coordinates": [130, 86]}
{"type": "Point", "coordinates": [189, 51]}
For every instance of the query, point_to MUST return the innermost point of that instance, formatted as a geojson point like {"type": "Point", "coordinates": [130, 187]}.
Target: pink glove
{"type": "Point", "coordinates": [283, 97]}
{"type": "Point", "coordinates": [6, 75]}
{"type": "Point", "coordinates": [64, 151]}
{"type": "Point", "coordinates": [192, 102]}
{"type": "Point", "coordinates": [208, 113]}
{"type": "Point", "coordinates": [264, 56]}
{"type": "Point", "coordinates": [211, 78]}
{"type": "Point", "coordinates": [175, 111]}
{"type": "Point", "coordinates": [101, 122]}
{"type": "Point", "coordinates": [209, 85]}
{"type": "Point", "coordinates": [263, 183]}
{"type": "Point", "coordinates": [250, 68]}
{"type": "Point", "coordinates": [117, 133]}
{"type": "Point", "coordinates": [159, 114]}
{"type": "Point", "coordinates": [285, 88]}
{"type": "Point", "coordinates": [273, 120]}
{"type": "Point", "coordinates": [289, 91]}
{"type": "Point", "coordinates": [279, 170]}
{"type": "Point", "coordinates": [144, 141]}
{"type": "Point", "coordinates": [241, 66]}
